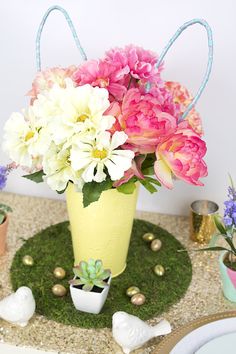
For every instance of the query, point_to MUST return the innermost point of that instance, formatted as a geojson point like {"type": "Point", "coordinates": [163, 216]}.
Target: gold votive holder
{"type": "Point", "coordinates": [202, 225]}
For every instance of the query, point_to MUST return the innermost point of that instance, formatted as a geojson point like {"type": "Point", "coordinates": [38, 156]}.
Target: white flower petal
{"type": "Point", "coordinates": [106, 122]}
{"type": "Point", "coordinates": [126, 153]}
{"type": "Point", "coordinates": [124, 163]}
{"type": "Point", "coordinates": [103, 140]}
{"type": "Point", "coordinates": [114, 171]}
{"type": "Point", "coordinates": [88, 174]}
{"type": "Point", "coordinates": [118, 139]}
{"type": "Point", "coordinates": [79, 159]}
{"type": "Point", "coordinates": [100, 175]}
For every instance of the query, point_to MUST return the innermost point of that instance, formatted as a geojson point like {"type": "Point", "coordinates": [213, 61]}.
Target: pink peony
{"type": "Point", "coordinates": [141, 62]}
{"type": "Point", "coordinates": [143, 119]}
{"type": "Point", "coordinates": [180, 155]}
{"type": "Point", "coordinates": [182, 97]}
{"type": "Point", "coordinates": [102, 74]}
{"type": "Point", "coordinates": [45, 80]}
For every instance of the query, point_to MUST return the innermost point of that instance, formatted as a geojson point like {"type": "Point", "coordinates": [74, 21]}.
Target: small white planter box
{"type": "Point", "coordinates": [89, 301]}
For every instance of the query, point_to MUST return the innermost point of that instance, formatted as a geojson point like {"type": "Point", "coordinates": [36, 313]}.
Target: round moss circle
{"type": "Point", "coordinates": [52, 248]}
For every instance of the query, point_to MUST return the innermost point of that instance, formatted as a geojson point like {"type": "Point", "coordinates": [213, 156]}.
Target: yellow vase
{"type": "Point", "coordinates": [103, 229]}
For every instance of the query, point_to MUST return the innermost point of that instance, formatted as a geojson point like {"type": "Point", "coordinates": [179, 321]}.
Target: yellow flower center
{"type": "Point", "coordinates": [29, 135]}
{"type": "Point", "coordinates": [82, 117]}
{"type": "Point", "coordinates": [99, 154]}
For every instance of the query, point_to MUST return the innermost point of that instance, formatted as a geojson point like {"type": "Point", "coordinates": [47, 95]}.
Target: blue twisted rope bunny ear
{"type": "Point", "coordinates": [209, 64]}
{"type": "Point", "coordinates": [72, 28]}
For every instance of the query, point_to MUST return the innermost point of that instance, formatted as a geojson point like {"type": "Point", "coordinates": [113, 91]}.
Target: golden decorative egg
{"type": "Point", "coordinates": [148, 237]}
{"type": "Point", "coordinates": [132, 290]}
{"type": "Point", "coordinates": [159, 270]}
{"type": "Point", "coordinates": [156, 245]}
{"type": "Point", "coordinates": [59, 273]}
{"type": "Point", "coordinates": [138, 299]}
{"type": "Point", "coordinates": [59, 290]}
{"type": "Point", "coordinates": [28, 260]}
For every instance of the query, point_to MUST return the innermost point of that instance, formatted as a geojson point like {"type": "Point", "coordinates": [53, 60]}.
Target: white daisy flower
{"type": "Point", "coordinates": [58, 170]}
{"type": "Point", "coordinates": [73, 110]}
{"type": "Point", "coordinates": [100, 157]}
{"type": "Point", "coordinates": [25, 140]}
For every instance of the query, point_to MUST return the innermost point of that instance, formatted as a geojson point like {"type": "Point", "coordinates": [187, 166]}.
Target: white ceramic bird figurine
{"type": "Point", "coordinates": [18, 307]}
{"type": "Point", "coordinates": [131, 333]}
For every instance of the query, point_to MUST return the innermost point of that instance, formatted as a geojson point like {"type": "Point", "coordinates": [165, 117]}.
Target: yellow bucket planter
{"type": "Point", "coordinates": [103, 229]}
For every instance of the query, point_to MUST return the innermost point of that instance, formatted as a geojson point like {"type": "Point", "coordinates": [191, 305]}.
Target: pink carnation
{"type": "Point", "coordinates": [143, 119]}
{"type": "Point", "coordinates": [182, 97]}
{"type": "Point", "coordinates": [180, 155]}
{"type": "Point", "coordinates": [45, 80]}
{"type": "Point", "coordinates": [141, 62]}
{"type": "Point", "coordinates": [102, 74]}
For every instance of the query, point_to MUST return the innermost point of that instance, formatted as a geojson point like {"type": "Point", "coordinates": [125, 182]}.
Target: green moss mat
{"type": "Point", "coordinates": [52, 247]}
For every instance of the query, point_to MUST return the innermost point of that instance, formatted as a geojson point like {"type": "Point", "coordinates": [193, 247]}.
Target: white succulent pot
{"type": "Point", "coordinates": [89, 301]}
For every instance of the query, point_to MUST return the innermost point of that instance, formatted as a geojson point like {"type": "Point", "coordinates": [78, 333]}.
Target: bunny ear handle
{"type": "Point", "coordinates": [209, 63]}
{"type": "Point", "coordinates": [40, 29]}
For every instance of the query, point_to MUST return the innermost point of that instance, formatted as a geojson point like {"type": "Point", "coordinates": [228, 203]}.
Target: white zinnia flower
{"type": "Point", "coordinates": [72, 110]}
{"type": "Point", "coordinates": [92, 157]}
{"type": "Point", "coordinates": [25, 140]}
{"type": "Point", "coordinates": [57, 167]}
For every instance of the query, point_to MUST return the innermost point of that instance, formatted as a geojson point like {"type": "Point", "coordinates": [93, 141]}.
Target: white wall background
{"type": "Point", "coordinates": [107, 23]}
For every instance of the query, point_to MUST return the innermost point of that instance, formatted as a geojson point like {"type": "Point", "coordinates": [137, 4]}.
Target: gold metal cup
{"type": "Point", "coordinates": [202, 226]}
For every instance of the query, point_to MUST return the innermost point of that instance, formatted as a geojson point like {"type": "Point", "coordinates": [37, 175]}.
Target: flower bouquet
{"type": "Point", "coordinates": [107, 125]}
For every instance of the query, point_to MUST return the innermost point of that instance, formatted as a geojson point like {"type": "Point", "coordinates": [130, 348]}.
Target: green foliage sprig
{"type": "Point", "coordinates": [4, 210]}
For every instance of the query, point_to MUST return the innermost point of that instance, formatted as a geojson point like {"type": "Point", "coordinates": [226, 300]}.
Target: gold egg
{"type": "Point", "coordinates": [59, 273]}
{"type": "Point", "coordinates": [159, 270]}
{"type": "Point", "coordinates": [59, 290]}
{"type": "Point", "coordinates": [156, 245]}
{"type": "Point", "coordinates": [132, 290]}
{"type": "Point", "coordinates": [28, 260]}
{"type": "Point", "coordinates": [138, 299]}
{"type": "Point", "coordinates": [148, 237]}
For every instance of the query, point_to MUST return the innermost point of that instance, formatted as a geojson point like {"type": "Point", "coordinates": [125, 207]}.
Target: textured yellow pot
{"type": "Point", "coordinates": [103, 229]}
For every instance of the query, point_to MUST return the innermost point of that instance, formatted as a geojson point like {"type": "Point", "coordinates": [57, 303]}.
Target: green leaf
{"type": "Point", "coordinates": [98, 265]}
{"type": "Point", "coordinates": [93, 190]}
{"type": "Point", "coordinates": [100, 283]}
{"type": "Point", "coordinates": [91, 269]}
{"type": "Point", "coordinates": [148, 162]}
{"type": "Point", "coordinates": [77, 272]}
{"type": "Point", "coordinates": [148, 171]}
{"type": "Point", "coordinates": [36, 176]}
{"type": "Point", "coordinates": [2, 217]}
{"type": "Point", "coordinates": [153, 181]}
{"type": "Point", "coordinates": [76, 282]}
{"type": "Point", "coordinates": [216, 248]}
{"type": "Point", "coordinates": [231, 181]}
{"type": "Point", "coordinates": [105, 274]}
{"type": "Point", "coordinates": [88, 287]}
{"type": "Point", "coordinates": [128, 187]}
{"type": "Point", "coordinates": [5, 208]}
{"type": "Point", "coordinates": [148, 185]}
{"type": "Point", "coordinates": [230, 243]}
{"type": "Point", "coordinates": [219, 225]}
{"type": "Point", "coordinates": [83, 267]}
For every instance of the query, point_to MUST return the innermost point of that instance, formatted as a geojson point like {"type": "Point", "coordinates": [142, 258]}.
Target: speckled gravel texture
{"type": "Point", "coordinates": [204, 296]}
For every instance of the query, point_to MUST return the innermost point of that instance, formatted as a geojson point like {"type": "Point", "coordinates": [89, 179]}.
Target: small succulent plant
{"type": "Point", "coordinates": [4, 209]}
{"type": "Point", "coordinates": [90, 274]}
